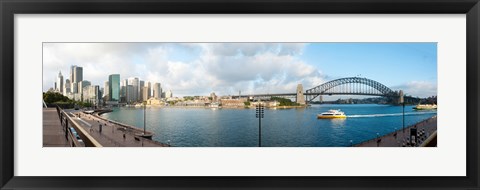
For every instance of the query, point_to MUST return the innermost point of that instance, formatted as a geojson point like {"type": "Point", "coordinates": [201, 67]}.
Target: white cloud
{"type": "Point", "coordinates": [421, 89]}
{"type": "Point", "coordinates": [224, 68]}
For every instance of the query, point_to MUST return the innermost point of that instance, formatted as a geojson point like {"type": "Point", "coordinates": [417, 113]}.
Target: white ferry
{"type": "Point", "coordinates": [331, 114]}
{"type": "Point", "coordinates": [425, 107]}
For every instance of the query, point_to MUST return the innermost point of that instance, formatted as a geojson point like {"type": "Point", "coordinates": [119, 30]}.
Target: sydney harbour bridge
{"type": "Point", "coordinates": [342, 86]}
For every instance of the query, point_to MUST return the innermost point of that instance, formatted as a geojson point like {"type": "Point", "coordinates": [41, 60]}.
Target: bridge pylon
{"type": "Point", "coordinates": [300, 96]}
{"type": "Point", "coordinates": [400, 97]}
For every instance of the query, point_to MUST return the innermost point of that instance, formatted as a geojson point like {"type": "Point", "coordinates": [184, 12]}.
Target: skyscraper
{"type": "Point", "coordinates": [142, 84]}
{"type": "Point", "coordinates": [136, 91]}
{"type": "Point", "coordinates": [123, 91]}
{"type": "Point", "coordinates": [114, 87]}
{"type": "Point", "coordinates": [66, 89]}
{"type": "Point", "coordinates": [149, 85]}
{"type": "Point", "coordinates": [145, 93]}
{"type": "Point", "coordinates": [91, 94]}
{"type": "Point", "coordinates": [157, 90]}
{"type": "Point", "coordinates": [76, 75]}
{"type": "Point", "coordinates": [59, 83]}
{"type": "Point", "coordinates": [106, 91]}
{"type": "Point", "coordinates": [82, 84]}
{"type": "Point", "coordinates": [130, 93]}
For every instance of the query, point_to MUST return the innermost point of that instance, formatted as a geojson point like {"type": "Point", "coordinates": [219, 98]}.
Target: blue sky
{"type": "Point", "coordinates": [226, 68]}
{"type": "Point", "coordinates": [389, 63]}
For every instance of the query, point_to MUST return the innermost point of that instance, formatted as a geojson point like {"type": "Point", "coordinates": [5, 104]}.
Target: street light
{"type": "Point", "coordinates": [259, 114]}
{"type": "Point", "coordinates": [403, 115]}
{"type": "Point", "coordinates": [144, 118]}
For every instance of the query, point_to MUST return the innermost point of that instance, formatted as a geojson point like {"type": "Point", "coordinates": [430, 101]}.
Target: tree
{"type": "Point", "coordinates": [284, 101]}
{"type": "Point", "coordinates": [54, 97]}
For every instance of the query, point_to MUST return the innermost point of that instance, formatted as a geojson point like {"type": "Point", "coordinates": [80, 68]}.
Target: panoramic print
{"type": "Point", "coordinates": [239, 95]}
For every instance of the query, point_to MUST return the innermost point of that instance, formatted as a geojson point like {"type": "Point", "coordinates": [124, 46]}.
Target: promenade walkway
{"type": "Point", "coordinates": [399, 138]}
{"type": "Point", "coordinates": [53, 134]}
{"type": "Point", "coordinates": [110, 134]}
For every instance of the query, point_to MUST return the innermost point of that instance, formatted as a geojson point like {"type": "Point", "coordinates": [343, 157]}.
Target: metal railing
{"type": "Point", "coordinates": [67, 123]}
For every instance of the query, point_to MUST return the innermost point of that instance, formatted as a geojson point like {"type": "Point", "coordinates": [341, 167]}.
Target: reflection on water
{"type": "Point", "coordinates": [338, 122]}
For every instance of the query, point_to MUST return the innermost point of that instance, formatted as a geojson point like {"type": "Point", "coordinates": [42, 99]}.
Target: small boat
{"type": "Point", "coordinates": [331, 114]}
{"type": "Point", "coordinates": [214, 105]}
{"type": "Point", "coordinates": [425, 107]}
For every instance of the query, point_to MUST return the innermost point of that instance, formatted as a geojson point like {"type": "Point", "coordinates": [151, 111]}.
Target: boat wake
{"type": "Point", "coordinates": [392, 114]}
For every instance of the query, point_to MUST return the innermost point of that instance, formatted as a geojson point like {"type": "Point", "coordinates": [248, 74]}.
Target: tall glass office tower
{"type": "Point", "coordinates": [114, 87]}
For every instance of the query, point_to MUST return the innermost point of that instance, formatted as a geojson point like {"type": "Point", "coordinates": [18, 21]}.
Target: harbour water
{"type": "Point", "coordinates": [298, 127]}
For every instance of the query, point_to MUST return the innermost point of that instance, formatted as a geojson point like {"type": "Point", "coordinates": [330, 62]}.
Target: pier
{"type": "Point", "coordinates": [73, 128]}
{"type": "Point", "coordinates": [53, 133]}
{"type": "Point", "coordinates": [426, 130]}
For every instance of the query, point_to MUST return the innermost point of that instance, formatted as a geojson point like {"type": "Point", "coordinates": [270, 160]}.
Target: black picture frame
{"type": "Point", "coordinates": [11, 7]}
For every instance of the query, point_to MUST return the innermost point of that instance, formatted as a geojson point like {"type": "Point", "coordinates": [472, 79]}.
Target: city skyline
{"type": "Point", "coordinates": [227, 68]}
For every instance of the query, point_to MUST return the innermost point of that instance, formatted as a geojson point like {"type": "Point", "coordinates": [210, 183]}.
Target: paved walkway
{"type": "Point", "coordinates": [399, 138]}
{"type": "Point", "coordinates": [53, 134]}
{"type": "Point", "coordinates": [112, 135]}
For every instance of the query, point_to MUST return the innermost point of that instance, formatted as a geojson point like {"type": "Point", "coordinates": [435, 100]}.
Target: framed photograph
{"type": "Point", "coordinates": [239, 94]}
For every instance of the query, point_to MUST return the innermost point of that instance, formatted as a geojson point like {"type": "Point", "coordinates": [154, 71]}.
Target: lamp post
{"type": "Point", "coordinates": [259, 115]}
{"type": "Point", "coordinates": [144, 118]}
{"type": "Point", "coordinates": [403, 116]}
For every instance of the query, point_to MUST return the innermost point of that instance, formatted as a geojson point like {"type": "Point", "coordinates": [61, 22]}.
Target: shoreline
{"type": "Point", "coordinates": [395, 137]}
{"type": "Point", "coordinates": [132, 128]}
{"type": "Point", "coordinates": [206, 107]}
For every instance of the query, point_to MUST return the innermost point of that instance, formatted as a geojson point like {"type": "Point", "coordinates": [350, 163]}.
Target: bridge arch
{"type": "Point", "coordinates": [357, 86]}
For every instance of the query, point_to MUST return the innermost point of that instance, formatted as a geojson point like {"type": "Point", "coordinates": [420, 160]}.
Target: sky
{"type": "Point", "coordinates": [226, 68]}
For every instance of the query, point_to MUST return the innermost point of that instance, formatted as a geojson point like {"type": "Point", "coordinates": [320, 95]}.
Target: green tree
{"type": "Point", "coordinates": [284, 101]}
{"type": "Point", "coordinates": [54, 97]}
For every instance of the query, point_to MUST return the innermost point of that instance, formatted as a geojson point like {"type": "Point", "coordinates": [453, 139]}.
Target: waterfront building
{"type": "Point", "coordinates": [123, 91]}
{"type": "Point", "coordinates": [273, 104]}
{"type": "Point", "coordinates": [145, 93]}
{"type": "Point", "coordinates": [157, 91]}
{"type": "Point", "coordinates": [135, 83]}
{"type": "Point", "coordinates": [66, 89]}
{"type": "Point", "coordinates": [92, 94]}
{"type": "Point", "coordinates": [149, 85]}
{"type": "Point", "coordinates": [168, 94]}
{"type": "Point", "coordinates": [140, 88]}
{"type": "Point", "coordinates": [82, 84]}
{"type": "Point", "coordinates": [59, 83]}
{"type": "Point", "coordinates": [130, 91]}
{"type": "Point", "coordinates": [213, 96]}
{"type": "Point", "coordinates": [155, 102]}
{"type": "Point", "coordinates": [114, 87]}
{"type": "Point", "coordinates": [233, 102]}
